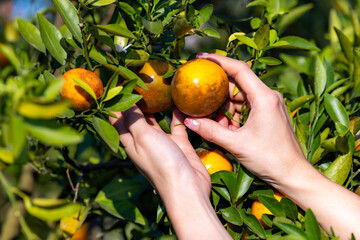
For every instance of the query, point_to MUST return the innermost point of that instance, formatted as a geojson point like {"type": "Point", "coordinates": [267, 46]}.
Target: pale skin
{"type": "Point", "coordinates": [266, 145]}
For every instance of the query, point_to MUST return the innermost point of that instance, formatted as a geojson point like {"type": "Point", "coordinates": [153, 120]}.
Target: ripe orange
{"type": "Point", "coordinates": [82, 233]}
{"type": "Point", "coordinates": [81, 100]}
{"type": "Point", "coordinates": [356, 134]}
{"type": "Point", "coordinates": [214, 160]}
{"type": "Point", "coordinates": [199, 87]}
{"type": "Point", "coordinates": [3, 60]}
{"type": "Point", "coordinates": [258, 209]}
{"type": "Point", "coordinates": [158, 96]}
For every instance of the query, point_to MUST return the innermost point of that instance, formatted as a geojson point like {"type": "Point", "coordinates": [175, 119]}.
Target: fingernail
{"type": "Point", "coordinates": [201, 54]}
{"type": "Point", "coordinates": [192, 124]}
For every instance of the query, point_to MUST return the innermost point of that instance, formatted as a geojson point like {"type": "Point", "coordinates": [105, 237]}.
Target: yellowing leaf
{"type": "Point", "coordinates": [35, 110]}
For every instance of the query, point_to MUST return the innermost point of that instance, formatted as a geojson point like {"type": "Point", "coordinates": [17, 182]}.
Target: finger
{"type": "Point", "coordinates": [236, 94]}
{"type": "Point", "coordinates": [234, 124]}
{"type": "Point", "coordinates": [150, 119]}
{"type": "Point", "coordinates": [253, 87]}
{"type": "Point", "coordinates": [177, 126]}
{"type": "Point", "coordinates": [135, 121]}
{"type": "Point", "coordinates": [124, 134]}
{"type": "Point", "coordinates": [211, 131]}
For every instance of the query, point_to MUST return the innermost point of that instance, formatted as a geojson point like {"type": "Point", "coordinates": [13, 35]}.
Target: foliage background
{"type": "Point", "coordinates": [115, 199]}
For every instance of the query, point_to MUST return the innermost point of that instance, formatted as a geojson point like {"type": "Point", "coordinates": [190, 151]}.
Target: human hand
{"type": "Point", "coordinates": [164, 159]}
{"type": "Point", "coordinates": [266, 145]}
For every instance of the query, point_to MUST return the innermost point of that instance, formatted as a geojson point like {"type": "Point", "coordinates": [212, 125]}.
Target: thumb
{"type": "Point", "coordinates": [211, 131]}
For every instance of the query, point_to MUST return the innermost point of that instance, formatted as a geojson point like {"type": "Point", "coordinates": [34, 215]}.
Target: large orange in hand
{"type": "Point", "coordinates": [214, 160]}
{"type": "Point", "coordinates": [158, 96]}
{"type": "Point", "coordinates": [80, 99]}
{"type": "Point", "coordinates": [199, 87]}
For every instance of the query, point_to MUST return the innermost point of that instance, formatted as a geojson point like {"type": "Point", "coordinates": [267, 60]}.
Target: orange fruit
{"type": "Point", "coordinates": [214, 160]}
{"type": "Point", "coordinates": [357, 191]}
{"type": "Point", "coordinates": [82, 233]}
{"type": "Point", "coordinates": [80, 99]}
{"type": "Point", "coordinates": [199, 87]}
{"type": "Point", "coordinates": [3, 60]}
{"type": "Point", "coordinates": [158, 96]}
{"type": "Point", "coordinates": [258, 209]}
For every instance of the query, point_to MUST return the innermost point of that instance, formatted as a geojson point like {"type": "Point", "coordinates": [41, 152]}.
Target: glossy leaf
{"type": "Point", "coordinates": [122, 102]}
{"type": "Point", "coordinates": [211, 32]}
{"type": "Point", "coordinates": [293, 15]}
{"type": "Point", "coordinates": [345, 44]}
{"type": "Point", "coordinates": [290, 229]}
{"type": "Point", "coordinates": [336, 110]}
{"type": "Point", "coordinates": [101, 3]}
{"type": "Point", "coordinates": [86, 87]}
{"type": "Point", "coordinates": [51, 38]}
{"type": "Point", "coordinates": [130, 75]}
{"type": "Point", "coordinates": [31, 34]}
{"type": "Point", "coordinates": [290, 208]}
{"type": "Point", "coordinates": [52, 132]}
{"type": "Point", "coordinates": [154, 27]}
{"type": "Point", "coordinates": [232, 215]}
{"type": "Point", "coordinates": [253, 224]}
{"type": "Point", "coordinates": [113, 92]}
{"type": "Point", "coordinates": [136, 58]}
{"type": "Point", "coordinates": [330, 73]}
{"type": "Point", "coordinates": [339, 169]}
{"type": "Point", "coordinates": [10, 54]}
{"type": "Point", "coordinates": [116, 29]}
{"type": "Point", "coordinates": [300, 101]}
{"type": "Point", "coordinates": [36, 110]}
{"type": "Point", "coordinates": [248, 41]}
{"type": "Point", "coordinates": [70, 16]}
{"type": "Point", "coordinates": [297, 42]}
{"type": "Point", "coordinates": [126, 8]}
{"type": "Point", "coordinates": [319, 77]}
{"type": "Point", "coordinates": [273, 205]}
{"type": "Point", "coordinates": [312, 228]}
{"type": "Point", "coordinates": [107, 133]}
{"type": "Point", "coordinates": [262, 36]}
{"type": "Point", "coordinates": [270, 61]}
{"type": "Point", "coordinates": [205, 14]}
{"type": "Point", "coordinates": [244, 180]}
{"type": "Point", "coordinates": [96, 55]}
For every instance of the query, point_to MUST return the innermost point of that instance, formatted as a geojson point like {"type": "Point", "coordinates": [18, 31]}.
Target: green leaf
{"type": "Point", "coordinates": [339, 169]}
{"type": "Point", "coordinates": [312, 228]}
{"type": "Point", "coordinates": [11, 55]}
{"type": "Point", "coordinates": [205, 14]}
{"type": "Point", "coordinates": [262, 36]}
{"type": "Point", "coordinates": [232, 215]}
{"type": "Point", "coordinates": [297, 42]}
{"type": "Point", "coordinates": [319, 77]}
{"type": "Point", "coordinates": [126, 8]}
{"type": "Point", "coordinates": [130, 75]}
{"type": "Point", "coordinates": [52, 132]}
{"type": "Point", "coordinates": [300, 101]}
{"type": "Point", "coordinates": [258, 3]}
{"type": "Point", "coordinates": [253, 224]}
{"type": "Point", "coordinates": [336, 110]}
{"type": "Point", "coordinates": [330, 73]}
{"type": "Point", "coordinates": [86, 87]}
{"type": "Point", "coordinates": [255, 23]}
{"type": "Point", "coordinates": [290, 229]}
{"type": "Point", "coordinates": [96, 55]}
{"type": "Point", "coordinates": [122, 209]}
{"type": "Point", "coordinates": [107, 133]}
{"type": "Point", "coordinates": [293, 16]}
{"type": "Point", "coordinates": [136, 58]}
{"type": "Point", "coordinates": [269, 61]}
{"type": "Point", "coordinates": [227, 178]}
{"type": "Point", "coordinates": [70, 16]}
{"type": "Point", "coordinates": [116, 29]}
{"type": "Point", "coordinates": [112, 93]}
{"type": "Point", "coordinates": [248, 41]}
{"type": "Point", "coordinates": [289, 207]}
{"type": "Point", "coordinates": [31, 34]}
{"type": "Point", "coordinates": [273, 205]}
{"type": "Point", "coordinates": [122, 102]}
{"type": "Point", "coordinates": [211, 32]}
{"type": "Point", "coordinates": [345, 44]}
{"type": "Point", "coordinates": [154, 27]}
{"type": "Point", "coordinates": [101, 3]}
{"type": "Point", "coordinates": [243, 182]}
{"type": "Point", "coordinates": [51, 37]}
{"type": "Point", "coordinates": [36, 110]}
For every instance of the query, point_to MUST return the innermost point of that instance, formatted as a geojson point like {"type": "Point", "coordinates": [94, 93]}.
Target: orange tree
{"type": "Point", "coordinates": [63, 168]}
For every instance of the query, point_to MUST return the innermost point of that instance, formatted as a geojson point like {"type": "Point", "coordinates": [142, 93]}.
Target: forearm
{"type": "Point", "coordinates": [191, 213]}
{"type": "Point", "coordinates": [333, 205]}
